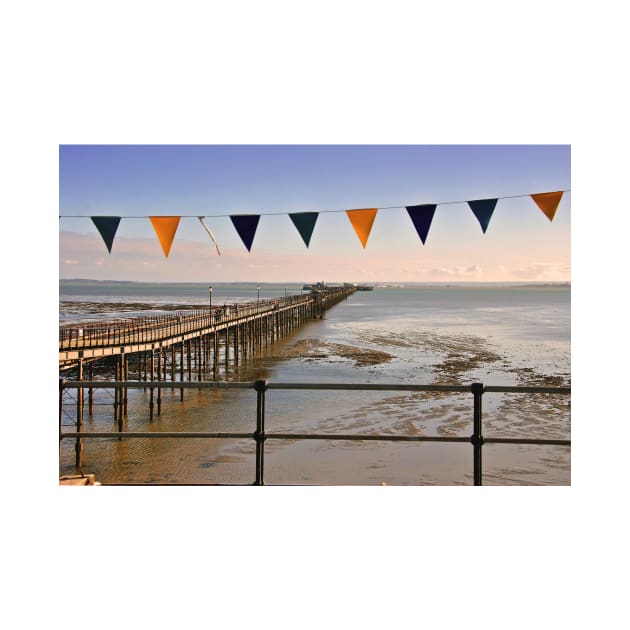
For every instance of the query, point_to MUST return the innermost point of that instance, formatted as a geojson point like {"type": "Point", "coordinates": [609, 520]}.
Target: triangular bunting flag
{"type": "Point", "coordinates": [305, 223]}
{"type": "Point", "coordinates": [548, 202]}
{"type": "Point", "coordinates": [483, 209]}
{"type": "Point", "coordinates": [246, 225]}
{"type": "Point", "coordinates": [165, 228]}
{"type": "Point", "coordinates": [107, 227]}
{"type": "Point", "coordinates": [362, 221]}
{"type": "Point", "coordinates": [421, 217]}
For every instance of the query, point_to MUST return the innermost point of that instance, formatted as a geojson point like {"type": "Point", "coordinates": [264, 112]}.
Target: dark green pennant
{"type": "Point", "coordinates": [107, 227]}
{"type": "Point", "coordinates": [305, 223]}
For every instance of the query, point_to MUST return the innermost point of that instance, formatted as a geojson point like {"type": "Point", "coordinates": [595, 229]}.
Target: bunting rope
{"type": "Point", "coordinates": [361, 220]}
{"type": "Point", "coordinates": [282, 212]}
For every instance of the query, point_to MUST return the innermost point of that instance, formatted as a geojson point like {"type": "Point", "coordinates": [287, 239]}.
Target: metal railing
{"type": "Point", "coordinates": [477, 439]}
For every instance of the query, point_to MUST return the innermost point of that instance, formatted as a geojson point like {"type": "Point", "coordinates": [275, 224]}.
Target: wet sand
{"type": "Point", "coordinates": [314, 349]}
{"type": "Point", "coordinates": [127, 309]}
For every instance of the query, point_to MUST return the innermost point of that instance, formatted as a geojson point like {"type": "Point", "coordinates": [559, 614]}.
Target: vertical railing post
{"type": "Point", "coordinates": [259, 435]}
{"type": "Point", "coordinates": [476, 438]}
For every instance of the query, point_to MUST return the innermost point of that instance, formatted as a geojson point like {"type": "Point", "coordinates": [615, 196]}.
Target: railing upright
{"type": "Point", "coordinates": [259, 435]}
{"type": "Point", "coordinates": [477, 437]}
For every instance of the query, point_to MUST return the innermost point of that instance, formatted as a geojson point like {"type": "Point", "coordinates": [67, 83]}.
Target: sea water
{"type": "Point", "coordinates": [498, 334]}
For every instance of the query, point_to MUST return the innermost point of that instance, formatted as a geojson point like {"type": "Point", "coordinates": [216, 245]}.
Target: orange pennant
{"type": "Point", "coordinates": [362, 221]}
{"type": "Point", "coordinates": [548, 203]}
{"type": "Point", "coordinates": [165, 228]}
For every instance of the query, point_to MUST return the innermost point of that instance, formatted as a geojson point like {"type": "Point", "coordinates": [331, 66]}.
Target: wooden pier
{"type": "Point", "coordinates": [236, 328]}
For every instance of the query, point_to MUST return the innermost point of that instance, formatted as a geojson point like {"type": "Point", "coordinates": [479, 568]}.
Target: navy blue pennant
{"type": "Point", "coordinates": [305, 223]}
{"type": "Point", "coordinates": [421, 217]}
{"type": "Point", "coordinates": [245, 225]}
{"type": "Point", "coordinates": [483, 209]}
{"type": "Point", "coordinates": [107, 227]}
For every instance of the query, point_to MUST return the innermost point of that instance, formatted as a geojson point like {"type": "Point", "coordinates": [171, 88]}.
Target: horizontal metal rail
{"type": "Point", "coordinates": [158, 385]}
{"type": "Point", "coordinates": [260, 436]}
{"type": "Point", "coordinates": [311, 436]}
{"type": "Point", "coordinates": [516, 389]}
{"type": "Point", "coordinates": [155, 434]}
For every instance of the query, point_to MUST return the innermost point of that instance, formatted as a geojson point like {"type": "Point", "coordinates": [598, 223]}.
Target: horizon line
{"type": "Point", "coordinates": [369, 282]}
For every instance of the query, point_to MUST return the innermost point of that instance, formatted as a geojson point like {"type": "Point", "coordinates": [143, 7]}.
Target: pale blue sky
{"type": "Point", "coordinates": [215, 181]}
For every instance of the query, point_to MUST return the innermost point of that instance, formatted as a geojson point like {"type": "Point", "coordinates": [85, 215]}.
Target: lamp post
{"type": "Point", "coordinates": [210, 294]}
{"type": "Point", "coordinates": [258, 294]}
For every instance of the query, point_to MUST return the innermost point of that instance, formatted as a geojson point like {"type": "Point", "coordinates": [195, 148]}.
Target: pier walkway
{"type": "Point", "coordinates": [237, 328]}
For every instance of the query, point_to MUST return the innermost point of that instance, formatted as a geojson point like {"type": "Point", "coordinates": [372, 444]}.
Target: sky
{"type": "Point", "coordinates": [215, 181]}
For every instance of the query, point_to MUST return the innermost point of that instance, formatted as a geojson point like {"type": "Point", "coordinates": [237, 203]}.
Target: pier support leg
{"type": "Point", "coordinates": [152, 367]}
{"type": "Point", "coordinates": [199, 357]}
{"type": "Point", "coordinates": [91, 390]}
{"type": "Point", "coordinates": [120, 377]}
{"type": "Point", "coordinates": [188, 361]}
{"type": "Point", "coordinates": [78, 445]}
{"type": "Point", "coordinates": [125, 367]}
{"type": "Point", "coordinates": [173, 362]}
{"type": "Point", "coordinates": [181, 371]}
{"type": "Point", "coordinates": [159, 378]}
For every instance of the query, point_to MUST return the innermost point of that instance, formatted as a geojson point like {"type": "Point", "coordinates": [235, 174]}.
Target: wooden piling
{"type": "Point", "coordinates": [188, 360]}
{"type": "Point", "coordinates": [181, 370]}
{"type": "Point", "coordinates": [159, 378]}
{"type": "Point", "coordinates": [215, 366]}
{"type": "Point", "coordinates": [78, 445]}
{"type": "Point", "coordinates": [120, 377]}
{"type": "Point", "coordinates": [125, 366]}
{"type": "Point", "coordinates": [91, 389]}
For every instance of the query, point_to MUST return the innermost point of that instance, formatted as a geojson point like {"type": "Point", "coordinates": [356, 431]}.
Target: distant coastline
{"type": "Point", "coordinates": [376, 283]}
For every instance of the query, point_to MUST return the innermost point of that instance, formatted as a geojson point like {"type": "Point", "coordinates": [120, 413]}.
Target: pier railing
{"type": "Point", "coordinates": [156, 327]}
{"type": "Point", "coordinates": [260, 435]}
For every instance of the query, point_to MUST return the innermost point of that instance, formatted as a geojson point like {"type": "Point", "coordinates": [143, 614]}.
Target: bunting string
{"type": "Point", "coordinates": [282, 212]}
{"type": "Point", "coordinates": [362, 220]}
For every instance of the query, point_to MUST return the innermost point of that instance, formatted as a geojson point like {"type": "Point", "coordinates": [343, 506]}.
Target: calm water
{"type": "Point", "coordinates": [500, 335]}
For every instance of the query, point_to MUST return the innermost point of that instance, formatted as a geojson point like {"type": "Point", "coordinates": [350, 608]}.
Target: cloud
{"type": "Point", "coordinates": [542, 271]}
{"type": "Point", "coordinates": [457, 272]}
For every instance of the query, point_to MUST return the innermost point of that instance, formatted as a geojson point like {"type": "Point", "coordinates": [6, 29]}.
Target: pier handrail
{"type": "Point", "coordinates": [159, 326]}
{"type": "Point", "coordinates": [155, 328]}
{"type": "Point", "coordinates": [477, 439]}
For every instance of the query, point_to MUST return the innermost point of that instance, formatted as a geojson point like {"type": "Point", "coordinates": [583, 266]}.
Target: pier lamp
{"type": "Point", "coordinates": [210, 294]}
{"type": "Point", "coordinates": [258, 295]}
